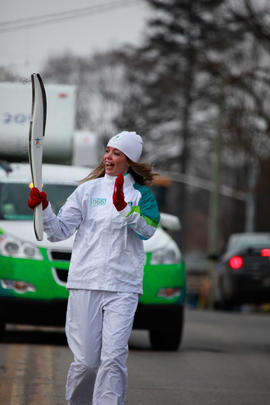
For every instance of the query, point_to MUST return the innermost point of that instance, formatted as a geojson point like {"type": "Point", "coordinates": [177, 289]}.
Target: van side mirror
{"type": "Point", "coordinates": [170, 222]}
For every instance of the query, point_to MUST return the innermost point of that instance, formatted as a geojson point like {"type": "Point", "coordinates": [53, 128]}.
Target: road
{"type": "Point", "coordinates": [224, 360]}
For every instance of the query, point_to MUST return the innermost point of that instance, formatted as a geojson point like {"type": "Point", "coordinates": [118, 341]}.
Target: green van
{"type": "Point", "coordinates": [33, 274]}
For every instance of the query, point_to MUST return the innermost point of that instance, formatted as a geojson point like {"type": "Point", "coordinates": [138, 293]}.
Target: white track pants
{"type": "Point", "coordinates": [98, 327]}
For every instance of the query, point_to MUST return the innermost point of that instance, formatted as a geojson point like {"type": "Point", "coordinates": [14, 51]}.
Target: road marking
{"type": "Point", "coordinates": [43, 378]}
{"type": "Point", "coordinates": [28, 376]}
{"type": "Point", "coordinates": [17, 390]}
{"type": "Point", "coordinates": [7, 391]}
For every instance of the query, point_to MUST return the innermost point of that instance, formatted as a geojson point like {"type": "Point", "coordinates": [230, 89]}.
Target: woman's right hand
{"type": "Point", "coordinates": [37, 197]}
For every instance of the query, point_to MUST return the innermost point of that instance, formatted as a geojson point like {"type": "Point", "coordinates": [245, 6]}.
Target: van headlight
{"type": "Point", "coordinates": [170, 254]}
{"type": "Point", "coordinates": [15, 247]}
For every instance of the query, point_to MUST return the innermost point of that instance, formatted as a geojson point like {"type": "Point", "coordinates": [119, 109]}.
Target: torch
{"type": "Point", "coordinates": [35, 150]}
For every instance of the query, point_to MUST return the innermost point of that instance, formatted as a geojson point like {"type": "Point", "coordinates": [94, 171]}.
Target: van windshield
{"type": "Point", "coordinates": [14, 196]}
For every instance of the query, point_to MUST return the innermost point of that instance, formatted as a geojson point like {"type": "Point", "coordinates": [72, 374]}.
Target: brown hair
{"type": "Point", "coordinates": [141, 172]}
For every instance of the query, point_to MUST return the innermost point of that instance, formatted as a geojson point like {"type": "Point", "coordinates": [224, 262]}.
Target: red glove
{"type": "Point", "coordinates": [118, 194]}
{"type": "Point", "coordinates": [36, 197]}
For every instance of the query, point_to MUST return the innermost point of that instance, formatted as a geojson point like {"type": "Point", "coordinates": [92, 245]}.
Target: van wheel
{"type": "Point", "coordinates": [161, 340]}
{"type": "Point", "coordinates": [168, 339]}
{"type": "Point", "coordinates": [2, 330]}
{"type": "Point", "coordinates": [226, 305]}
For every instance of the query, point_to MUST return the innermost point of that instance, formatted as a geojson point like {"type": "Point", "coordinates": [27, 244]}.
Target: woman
{"type": "Point", "coordinates": [112, 211]}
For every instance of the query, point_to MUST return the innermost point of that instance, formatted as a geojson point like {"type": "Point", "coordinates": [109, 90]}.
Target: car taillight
{"type": "Point", "coordinates": [236, 262]}
{"type": "Point", "coordinates": [265, 252]}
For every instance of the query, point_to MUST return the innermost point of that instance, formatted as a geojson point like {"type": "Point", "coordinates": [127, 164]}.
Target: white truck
{"type": "Point", "coordinates": [63, 143]}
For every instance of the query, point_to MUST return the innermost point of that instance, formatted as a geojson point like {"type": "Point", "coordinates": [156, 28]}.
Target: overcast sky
{"type": "Point", "coordinates": [31, 30]}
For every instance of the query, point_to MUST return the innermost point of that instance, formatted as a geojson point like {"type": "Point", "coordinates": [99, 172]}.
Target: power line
{"type": "Point", "coordinates": [53, 15]}
{"type": "Point", "coordinates": [204, 184]}
{"type": "Point", "coordinates": [53, 18]}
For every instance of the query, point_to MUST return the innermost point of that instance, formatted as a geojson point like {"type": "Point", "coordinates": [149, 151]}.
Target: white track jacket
{"type": "Point", "coordinates": [108, 251]}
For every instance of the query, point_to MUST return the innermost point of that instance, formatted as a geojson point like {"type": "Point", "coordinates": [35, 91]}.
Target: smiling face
{"type": "Point", "coordinates": [115, 162]}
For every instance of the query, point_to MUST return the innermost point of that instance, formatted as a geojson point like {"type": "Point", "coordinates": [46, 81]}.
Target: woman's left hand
{"type": "Point", "coordinates": [118, 193]}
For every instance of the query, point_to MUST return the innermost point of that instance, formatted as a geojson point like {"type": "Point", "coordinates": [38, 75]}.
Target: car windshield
{"type": "Point", "coordinates": [14, 196]}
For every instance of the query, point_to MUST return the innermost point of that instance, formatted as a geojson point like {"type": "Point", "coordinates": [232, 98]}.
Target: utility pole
{"type": "Point", "coordinates": [250, 202]}
{"type": "Point", "coordinates": [213, 234]}
{"type": "Point", "coordinates": [213, 226]}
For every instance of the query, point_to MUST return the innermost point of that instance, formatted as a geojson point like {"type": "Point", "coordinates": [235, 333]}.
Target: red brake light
{"type": "Point", "coordinates": [236, 262]}
{"type": "Point", "coordinates": [265, 252]}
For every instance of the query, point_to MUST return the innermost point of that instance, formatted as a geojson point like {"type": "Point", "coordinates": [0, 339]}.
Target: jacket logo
{"type": "Point", "coordinates": [97, 202]}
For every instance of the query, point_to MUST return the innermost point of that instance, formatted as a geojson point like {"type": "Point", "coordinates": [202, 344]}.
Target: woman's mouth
{"type": "Point", "coordinates": [109, 165]}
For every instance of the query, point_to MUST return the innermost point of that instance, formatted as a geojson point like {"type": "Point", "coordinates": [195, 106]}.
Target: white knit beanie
{"type": "Point", "coordinates": [129, 143]}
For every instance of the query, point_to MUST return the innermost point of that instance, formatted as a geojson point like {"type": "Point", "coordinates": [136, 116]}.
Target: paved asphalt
{"type": "Point", "coordinates": [224, 360]}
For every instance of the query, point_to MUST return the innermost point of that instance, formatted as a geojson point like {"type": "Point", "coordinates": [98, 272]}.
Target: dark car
{"type": "Point", "coordinates": [242, 274]}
